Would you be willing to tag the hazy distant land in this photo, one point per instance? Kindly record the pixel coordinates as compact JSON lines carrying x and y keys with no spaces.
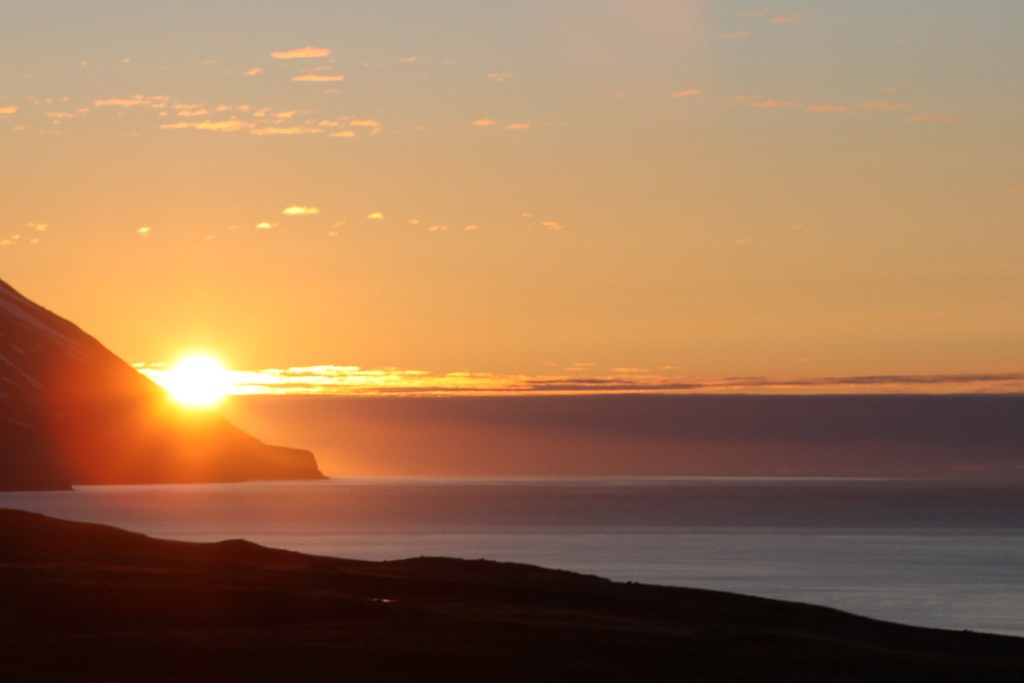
{"x":953,"y":436}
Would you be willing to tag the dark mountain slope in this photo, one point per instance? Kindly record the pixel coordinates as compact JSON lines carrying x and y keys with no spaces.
{"x":89,"y":603}
{"x":71,"y":412}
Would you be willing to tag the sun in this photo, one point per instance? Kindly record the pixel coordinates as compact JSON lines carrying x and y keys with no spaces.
{"x":197,"y":380}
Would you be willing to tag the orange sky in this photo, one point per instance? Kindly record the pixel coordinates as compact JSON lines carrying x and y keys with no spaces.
{"x":784,"y":196}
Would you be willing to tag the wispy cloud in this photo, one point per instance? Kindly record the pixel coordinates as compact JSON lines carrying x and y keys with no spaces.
{"x":284,"y":130}
{"x":267,"y":113}
{"x":755,"y":102}
{"x":144,"y":231}
{"x":119,"y":102}
{"x":152,"y":101}
{"x":788,"y":18}
{"x":409,"y":60}
{"x":318,"y":78}
{"x":692,"y":92}
{"x":374,"y":125}
{"x":774,"y":104}
{"x":231,"y":126}
{"x":301,"y":211}
{"x":934,"y":118}
{"x":827,"y":108}
{"x":519,"y":126}
{"x":552,"y":225}
{"x":884,"y":105}
{"x":257,"y":129}
{"x":256,"y":71}
{"x":353,"y":380}
{"x":483,"y":123}
{"x":376,"y":216}
{"x":308,"y":52}
{"x":499,"y":76}
{"x":735,"y":35}
{"x":9,"y":109}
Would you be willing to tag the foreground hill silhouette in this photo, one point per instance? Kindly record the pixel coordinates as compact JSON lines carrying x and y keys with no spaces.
{"x":71,"y":412}
{"x":84,"y":602}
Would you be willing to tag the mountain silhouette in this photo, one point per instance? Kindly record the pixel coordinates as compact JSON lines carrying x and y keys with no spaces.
{"x":84,"y":602}
{"x":72,"y":412}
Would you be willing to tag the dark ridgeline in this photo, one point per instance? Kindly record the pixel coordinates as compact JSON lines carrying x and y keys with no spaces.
{"x":71,"y":412}
{"x":84,"y":602}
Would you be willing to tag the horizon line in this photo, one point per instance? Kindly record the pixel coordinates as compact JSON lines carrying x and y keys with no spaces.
{"x":351,"y":380}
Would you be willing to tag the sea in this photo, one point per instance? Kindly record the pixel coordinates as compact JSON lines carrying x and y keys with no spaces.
{"x":937,"y":553}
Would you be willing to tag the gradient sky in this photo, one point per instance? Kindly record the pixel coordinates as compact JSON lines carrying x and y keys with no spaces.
{"x":667,"y":190}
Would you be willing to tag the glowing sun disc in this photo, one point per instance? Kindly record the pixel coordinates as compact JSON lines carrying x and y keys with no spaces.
{"x":197,"y":381}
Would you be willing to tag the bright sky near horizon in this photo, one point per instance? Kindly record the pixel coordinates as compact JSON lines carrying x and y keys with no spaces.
{"x":659,"y":192}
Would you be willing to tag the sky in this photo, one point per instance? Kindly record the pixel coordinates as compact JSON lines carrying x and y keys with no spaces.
{"x":531,"y":196}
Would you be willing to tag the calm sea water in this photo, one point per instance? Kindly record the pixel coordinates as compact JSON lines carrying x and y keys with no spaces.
{"x":928,"y":553}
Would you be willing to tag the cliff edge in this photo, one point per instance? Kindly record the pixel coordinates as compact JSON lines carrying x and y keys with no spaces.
{"x":72,"y":412}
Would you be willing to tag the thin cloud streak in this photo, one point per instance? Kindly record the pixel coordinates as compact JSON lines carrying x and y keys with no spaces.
{"x":289,"y":130}
{"x":884,"y":105}
{"x":934,"y":118}
{"x":756,"y":102}
{"x":153,"y":101}
{"x":374,"y":125}
{"x":301,"y":211}
{"x":788,"y":18}
{"x":827,"y":108}
{"x":308,"y":52}
{"x":344,"y":380}
{"x":214,"y":126}
{"x":318,"y":78}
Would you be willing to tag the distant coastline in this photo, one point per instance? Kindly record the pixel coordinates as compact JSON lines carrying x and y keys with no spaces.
{"x":976,"y":436}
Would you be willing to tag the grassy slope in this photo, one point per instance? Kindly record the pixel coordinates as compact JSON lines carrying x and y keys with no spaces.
{"x":84,"y":602}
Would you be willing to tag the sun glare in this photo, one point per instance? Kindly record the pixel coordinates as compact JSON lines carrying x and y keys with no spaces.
{"x":197,"y":381}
